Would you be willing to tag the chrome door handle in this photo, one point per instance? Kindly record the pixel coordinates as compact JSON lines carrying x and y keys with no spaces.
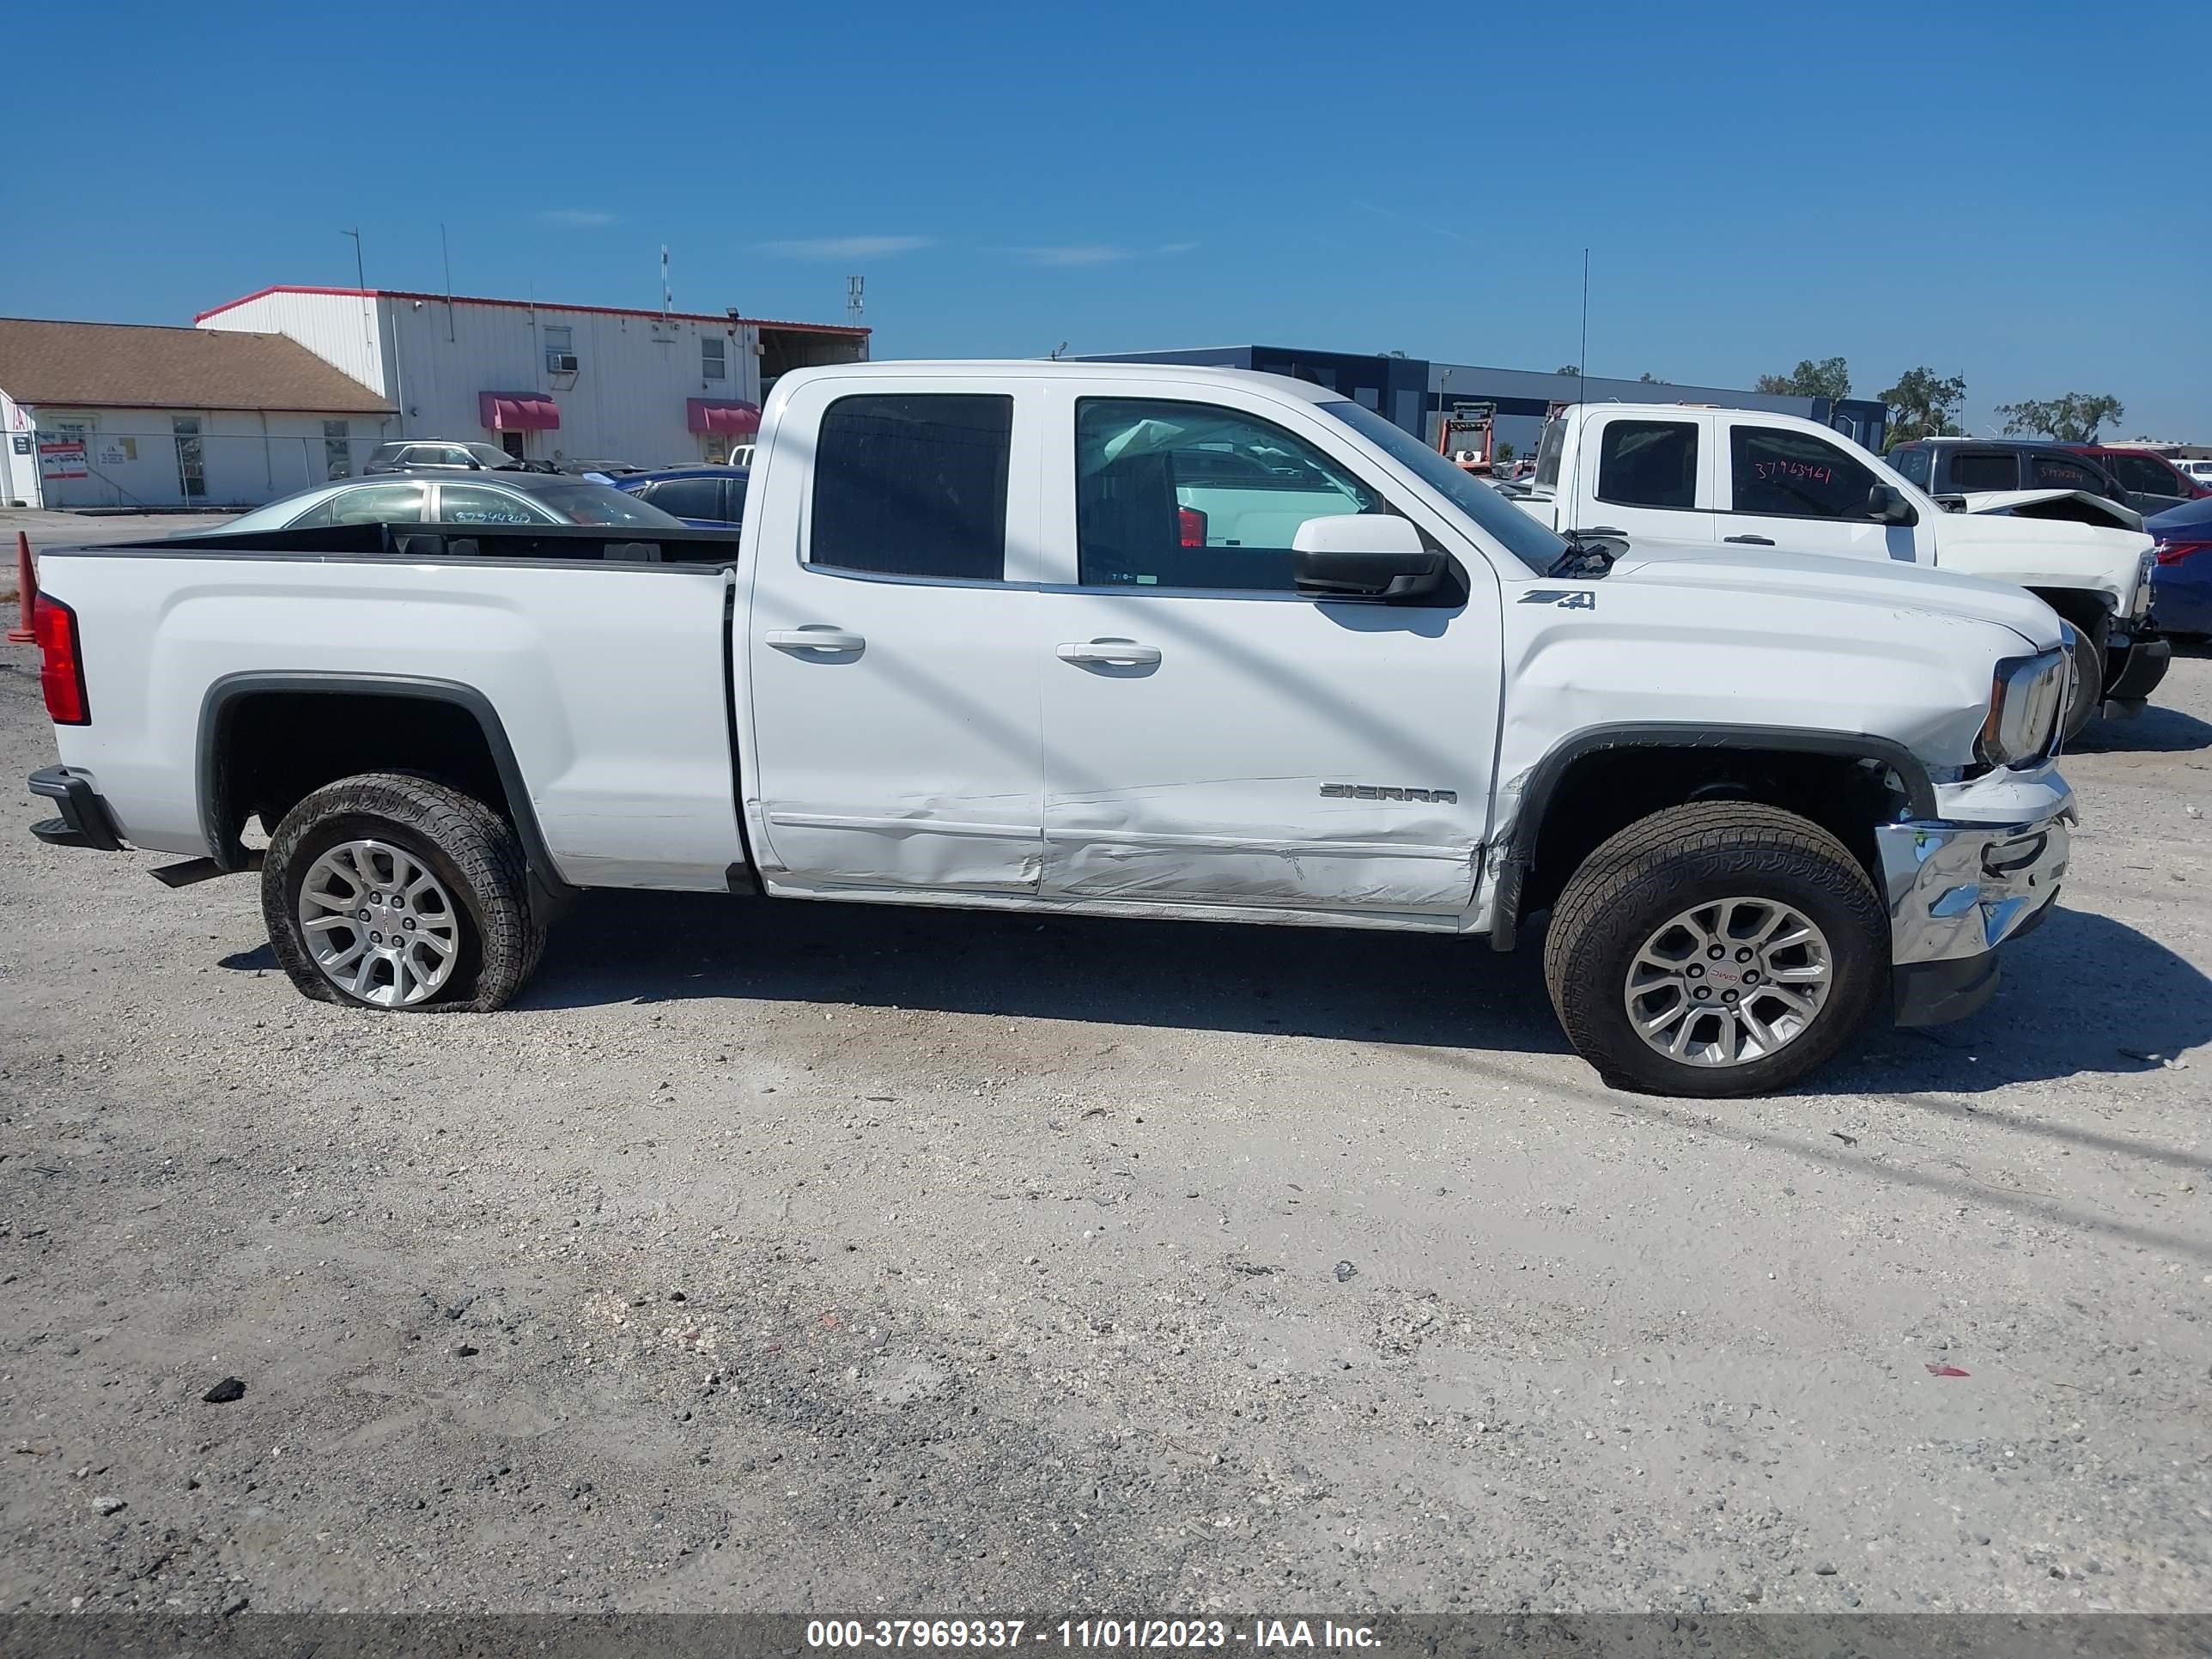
{"x":1121,"y":653}
{"x":1750,"y":541}
{"x":826,"y":641}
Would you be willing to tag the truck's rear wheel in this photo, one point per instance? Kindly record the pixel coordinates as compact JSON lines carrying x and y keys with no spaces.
{"x":1718,"y":949}
{"x":391,"y":892}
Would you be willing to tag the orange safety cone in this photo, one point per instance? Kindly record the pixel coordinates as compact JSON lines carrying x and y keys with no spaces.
{"x":26,"y":590}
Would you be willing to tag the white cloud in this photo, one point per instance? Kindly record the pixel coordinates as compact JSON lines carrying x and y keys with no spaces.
{"x":580,"y":218}
{"x":1175,"y":247}
{"x":848,"y":247}
{"x":1082,"y":253}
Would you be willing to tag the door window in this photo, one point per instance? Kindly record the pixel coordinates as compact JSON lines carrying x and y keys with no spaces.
{"x":1793,"y":475}
{"x":1648,"y":464}
{"x":391,"y":503}
{"x":2056,"y":472}
{"x":1984,"y":468}
{"x":688,"y":498}
{"x":2144,"y":474}
{"x":191,"y":456}
{"x":914,"y":485}
{"x":478,"y":504}
{"x":1194,"y":496}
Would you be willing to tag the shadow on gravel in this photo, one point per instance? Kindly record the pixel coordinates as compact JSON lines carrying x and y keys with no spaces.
{"x":2084,"y":996}
{"x":1431,"y":991}
{"x":2156,"y":730}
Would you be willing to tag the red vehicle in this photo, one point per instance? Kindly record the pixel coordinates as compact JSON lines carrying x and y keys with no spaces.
{"x":2153,"y":483}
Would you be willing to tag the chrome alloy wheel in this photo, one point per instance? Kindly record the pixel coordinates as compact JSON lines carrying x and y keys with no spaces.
{"x":1728,"y":983}
{"x":379,"y":924}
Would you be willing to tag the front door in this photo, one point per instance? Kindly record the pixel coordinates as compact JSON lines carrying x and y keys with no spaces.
{"x":1210,"y":736}
{"x":891,"y":645}
{"x":511,"y":443}
{"x":1803,"y":494}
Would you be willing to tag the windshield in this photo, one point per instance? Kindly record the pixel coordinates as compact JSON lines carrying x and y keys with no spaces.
{"x":491,"y":455}
{"x":1527,"y":540}
{"x":583,"y":502}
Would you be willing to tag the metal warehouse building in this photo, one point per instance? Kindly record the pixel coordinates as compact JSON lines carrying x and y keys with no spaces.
{"x":124,"y":415}
{"x":1413,"y":393}
{"x":550,"y":382}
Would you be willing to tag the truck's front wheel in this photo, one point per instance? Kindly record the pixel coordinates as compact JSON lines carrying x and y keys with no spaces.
{"x":395,"y":892}
{"x":1718,"y":949}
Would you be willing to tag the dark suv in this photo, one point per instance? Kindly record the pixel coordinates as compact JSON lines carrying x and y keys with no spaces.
{"x":1965,"y":466}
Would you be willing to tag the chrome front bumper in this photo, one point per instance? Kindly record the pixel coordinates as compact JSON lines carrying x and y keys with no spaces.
{"x":1957,"y":890}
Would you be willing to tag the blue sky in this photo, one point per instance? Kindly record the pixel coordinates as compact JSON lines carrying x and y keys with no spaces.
{"x":2017,"y":193}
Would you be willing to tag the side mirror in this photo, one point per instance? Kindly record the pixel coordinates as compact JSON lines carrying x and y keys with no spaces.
{"x":1364,"y":555}
{"x":1886,"y":504}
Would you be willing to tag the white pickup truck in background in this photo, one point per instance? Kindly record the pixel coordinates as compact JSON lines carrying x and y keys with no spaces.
{"x":974,"y":646}
{"x":1665,"y":473}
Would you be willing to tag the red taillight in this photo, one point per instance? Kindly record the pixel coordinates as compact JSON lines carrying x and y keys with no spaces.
{"x":61,"y":668}
{"x":2175,"y":552}
{"x":1190,"y":527}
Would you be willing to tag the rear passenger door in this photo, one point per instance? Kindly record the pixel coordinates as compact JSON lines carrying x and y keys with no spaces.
{"x":891,"y":644}
{"x":1654,"y":478}
{"x":1801,"y":492}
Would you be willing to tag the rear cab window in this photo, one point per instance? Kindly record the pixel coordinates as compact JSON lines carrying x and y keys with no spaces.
{"x":1648,"y":464}
{"x":1913,"y":465}
{"x":913,"y":485}
{"x":1984,"y":469}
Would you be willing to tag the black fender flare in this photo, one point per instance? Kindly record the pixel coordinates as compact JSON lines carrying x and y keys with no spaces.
{"x":1517,"y":851}
{"x":225,"y":692}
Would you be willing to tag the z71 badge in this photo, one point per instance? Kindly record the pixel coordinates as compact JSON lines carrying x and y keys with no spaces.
{"x":1567,"y":598}
{"x":1382,"y":791}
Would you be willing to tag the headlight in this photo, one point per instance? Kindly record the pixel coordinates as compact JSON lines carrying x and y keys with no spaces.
{"x":2027,"y":698}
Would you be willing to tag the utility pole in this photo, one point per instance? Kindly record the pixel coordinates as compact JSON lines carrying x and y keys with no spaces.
{"x":361,"y":282}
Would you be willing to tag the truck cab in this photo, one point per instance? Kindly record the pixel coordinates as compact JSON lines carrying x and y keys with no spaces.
{"x":1699,"y":476}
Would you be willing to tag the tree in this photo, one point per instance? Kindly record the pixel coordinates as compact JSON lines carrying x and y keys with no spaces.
{"x":1503,"y":452}
{"x":1922,"y":404}
{"x":1575,"y":369}
{"x":1648,"y":378}
{"x":1830,"y":378}
{"x":2072,"y":419}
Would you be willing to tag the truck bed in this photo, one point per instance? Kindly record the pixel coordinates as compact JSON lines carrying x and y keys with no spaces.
{"x":600,"y":658}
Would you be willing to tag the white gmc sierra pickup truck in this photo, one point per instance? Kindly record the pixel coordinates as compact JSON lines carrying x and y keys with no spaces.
{"x":1661,"y":474}
{"x":1126,"y":640}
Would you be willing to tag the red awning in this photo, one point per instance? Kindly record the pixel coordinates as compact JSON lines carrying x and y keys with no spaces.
{"x":723,"y":414}
{"x":518,"y":411}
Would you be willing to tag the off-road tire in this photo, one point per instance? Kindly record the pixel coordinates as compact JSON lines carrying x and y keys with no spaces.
{"x":1661,"y":866}
{"x":2089,"y":676}
{"x":472,"y":850}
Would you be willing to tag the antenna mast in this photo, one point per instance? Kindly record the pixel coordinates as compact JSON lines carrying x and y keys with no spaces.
{"x":1582,"y":398}
{"x":855,"y":290}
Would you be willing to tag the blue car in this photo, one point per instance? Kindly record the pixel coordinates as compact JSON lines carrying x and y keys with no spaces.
{"x":708,"y":497}
{"x":2181,"y":583}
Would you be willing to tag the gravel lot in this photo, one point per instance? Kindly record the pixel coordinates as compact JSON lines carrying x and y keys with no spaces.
{"x":826,"y":1258}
